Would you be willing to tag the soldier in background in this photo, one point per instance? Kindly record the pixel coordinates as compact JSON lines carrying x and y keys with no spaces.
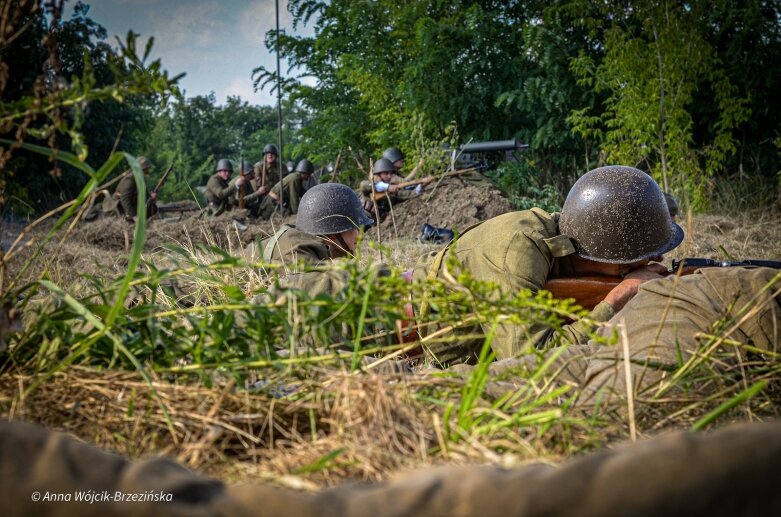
{"x":253,"y":195}
{"x":284,"y":197}
{"x":269,"y":171}
{"x":220,"y":195}
{"x":396,"y":157}
{"x":124,"y":201}
{"x":386,"y":182}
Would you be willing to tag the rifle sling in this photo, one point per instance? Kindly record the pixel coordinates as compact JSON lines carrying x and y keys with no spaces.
{"x":274,"y":241}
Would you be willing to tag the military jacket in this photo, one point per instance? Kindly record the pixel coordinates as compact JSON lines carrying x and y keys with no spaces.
{"x":274,"y":173}
{"x":289,"y":191}
{"x":517,"y":250}
{"x":219,"y":194}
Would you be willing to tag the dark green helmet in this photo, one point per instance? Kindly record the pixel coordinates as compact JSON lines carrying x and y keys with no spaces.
{"x":271,"y":148}
{"x":618,"y":215}
{"x":393,"y":154}
{"x":330,"y":208}
{"x":247,"y":168}
{"x":305,"y":167}
{"x":224,"y":165}
{"x":383,"y":165}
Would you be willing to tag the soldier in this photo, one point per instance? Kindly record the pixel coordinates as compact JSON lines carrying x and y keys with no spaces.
{"x":386,"y":183}
{"x":396,"y":157}
{"x":269,"y":171}
{"x":327,"y":227}
{"x":613,"y":223}
{"x":123,"y":202}
{"x":285,"y":195}
{"x":219,"y":193}
{"x":253,"y":195}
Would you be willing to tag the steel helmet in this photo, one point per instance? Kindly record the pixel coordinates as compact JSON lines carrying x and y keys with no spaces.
{"x":383,"y":165}
{"x":393,"y":154}
{"x":271,"y":148}
{"x":618,"y":215}
{"x":224,"y":165}
{"x":247,"y":168}
{"x":305,"y":167}
{"x":330,"y":208}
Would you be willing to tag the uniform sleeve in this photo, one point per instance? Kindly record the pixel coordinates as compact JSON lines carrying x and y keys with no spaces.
{"x":296,"y":190}
{"x":218,"y":192}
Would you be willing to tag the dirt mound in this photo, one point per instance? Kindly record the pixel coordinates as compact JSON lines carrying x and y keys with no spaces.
{"x":453,"y":204}
{"x":229,"y":231}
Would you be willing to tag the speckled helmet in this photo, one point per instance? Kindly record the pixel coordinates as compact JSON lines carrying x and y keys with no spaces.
{"x":330,"y":208}
{"x":383,"y":165}
{"x":224,"y":165}
{"x":271,"y":148}
{"x":305,"y":167}
{"x":393,"y":154}
{"x":618,"y":215}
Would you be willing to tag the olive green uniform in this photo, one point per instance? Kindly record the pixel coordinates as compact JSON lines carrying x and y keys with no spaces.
{"x":665,"y":317}
{"x":288,"y":246}
{"x":219,"y":195}
{"x":517,"y":250}
{"x":733,"y":471}
{"x":385,"y":204}
{"x":125,"y":199}
{"x":274,"y":173}
{"x":288,"y":192}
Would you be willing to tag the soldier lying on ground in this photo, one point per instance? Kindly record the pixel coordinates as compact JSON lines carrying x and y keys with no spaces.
{"x":614,"y":222}
{"x":124,"y":201}
{"x":327,"y":227}
{"x":219,"y":193}
{"x":386,"y":182}
{"x":731,"y":472}
{"x":396,"y":157}
{"x":284,"y":197}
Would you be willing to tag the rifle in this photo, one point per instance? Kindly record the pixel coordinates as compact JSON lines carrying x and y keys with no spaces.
{"x":160,"y":183}
{"x":241,"y":175}
{"x":588,"y":291}
{"x":376,"y":196}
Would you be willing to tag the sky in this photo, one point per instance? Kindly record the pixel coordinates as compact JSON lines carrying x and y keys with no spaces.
{"x":216,"y":42}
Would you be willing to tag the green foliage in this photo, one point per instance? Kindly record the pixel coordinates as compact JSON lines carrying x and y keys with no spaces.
{"x":656,"y":58}
{"x":522,"y":183}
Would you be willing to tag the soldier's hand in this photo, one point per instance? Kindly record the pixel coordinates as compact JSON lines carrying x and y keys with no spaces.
{"x":620,"y":295}
{"x":262,"y":190}
{"x":428,"y":179}
{"x":392,"y":188}
{"x":240,"y":181}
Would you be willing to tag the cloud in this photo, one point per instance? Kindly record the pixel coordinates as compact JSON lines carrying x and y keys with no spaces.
{"x":243,"y":88}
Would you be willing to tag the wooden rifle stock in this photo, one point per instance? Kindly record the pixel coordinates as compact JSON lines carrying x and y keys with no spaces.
{"x":336,"y":167}
{"x":376,"y":196}
{"x":588,"y":291}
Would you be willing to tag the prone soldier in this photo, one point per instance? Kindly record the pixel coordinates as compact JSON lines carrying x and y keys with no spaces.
{"x":387,"y":189}
{"x":614,"y":222}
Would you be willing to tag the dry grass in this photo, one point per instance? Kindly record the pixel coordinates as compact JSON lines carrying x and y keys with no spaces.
{"x":320,"y":426}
